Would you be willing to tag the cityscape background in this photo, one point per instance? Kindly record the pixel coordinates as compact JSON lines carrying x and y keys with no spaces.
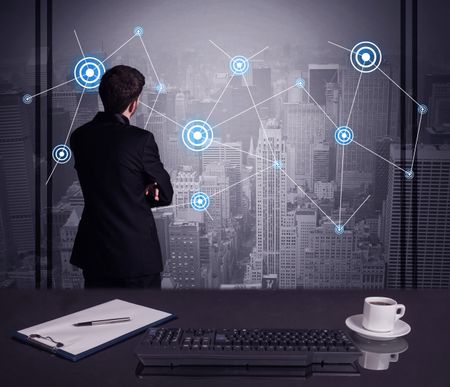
{"x":265,"y":227}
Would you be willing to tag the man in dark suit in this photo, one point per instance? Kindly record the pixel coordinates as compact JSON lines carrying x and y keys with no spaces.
{"x":122,"y":178}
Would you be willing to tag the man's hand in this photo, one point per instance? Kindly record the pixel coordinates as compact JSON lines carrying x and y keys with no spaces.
{"x":152,"y":190}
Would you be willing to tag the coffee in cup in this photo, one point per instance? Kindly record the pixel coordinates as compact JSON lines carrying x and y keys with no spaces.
{"x":381,"y":313}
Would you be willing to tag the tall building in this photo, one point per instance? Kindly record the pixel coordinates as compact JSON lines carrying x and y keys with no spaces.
{"x":183,"y":264}
{"x":271,"y":194}
{"x":305,"y":126}
{"x":230,"y":156}
{"x":370,"y":120}
{"x":306,"y":222}
{"x":429,"y":210}
{"x":319,"y":76}
{"x":321,"y":163}
{"x":17,"y":172}
{"x":288,"y":252}
{"x":262,"y":81}
{"x":330,"y":260}
{"x":185,"y":183}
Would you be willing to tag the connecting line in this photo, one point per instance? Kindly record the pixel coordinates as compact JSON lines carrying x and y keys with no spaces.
{"x":354,"y":98}
{"x":162,"y":115}
{"x":309,"y":197}
{"x":387,"y":76}
{"x":259,"y":52}
{"x":254,"y":106}
{"x":338,"y":45}
{"x":342,"y":182}
{"x":259,"y":117}
{"x":239,"y":182}
{"x":396,"y":84}
{"x":221,"y":49}
{"x":240,"y":150}
{"x":348,"y":220}
{"x":218,"y":99}
{"x":151,"y":111}
{"x":417,"y":141}
{"x":320,"y":107}
{"x":79,"y":45}
{"x":210,"y":217}
{"x":381,"y":157}
{"x":54,"y":87}
{"x":110,"y":55}
{"x":150,"y":60}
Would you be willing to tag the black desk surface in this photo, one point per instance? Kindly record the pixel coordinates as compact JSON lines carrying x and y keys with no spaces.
{"x":426,"y":363}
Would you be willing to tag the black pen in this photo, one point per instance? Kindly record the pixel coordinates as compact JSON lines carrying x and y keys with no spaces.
{"x":100,"y":322}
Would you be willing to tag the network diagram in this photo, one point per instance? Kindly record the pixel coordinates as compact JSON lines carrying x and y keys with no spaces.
{"x":198,"y":135}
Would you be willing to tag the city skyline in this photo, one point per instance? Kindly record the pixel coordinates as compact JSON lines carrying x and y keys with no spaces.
{"x":285,"y":201}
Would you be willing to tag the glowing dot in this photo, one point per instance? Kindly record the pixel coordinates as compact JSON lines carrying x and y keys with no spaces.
{"x":197,"y":135}
{"x":366,"y":57}
{"x":89,"y":72}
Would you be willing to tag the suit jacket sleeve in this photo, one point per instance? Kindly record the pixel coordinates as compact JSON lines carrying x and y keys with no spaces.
{"x":155,"y":172}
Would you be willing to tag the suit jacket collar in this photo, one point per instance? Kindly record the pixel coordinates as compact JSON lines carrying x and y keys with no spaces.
{"x":112,"y":117}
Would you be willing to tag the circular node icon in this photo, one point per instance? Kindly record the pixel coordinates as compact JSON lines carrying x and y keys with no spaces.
{"x":197,"y":135}
{"x":365,"y":57}
{"x":300,"y":83}
{"x":160,"y":88}
{"x":339,"y":229}
{"x":277,"y":164}
{"x":343,"y":135}
{"x":138,"y":30}
{"x":27,"y":99}
{"x":88,"y":72}
{"x":200,"y":201}
{"x":409,"y":174}
{"x":61,"y":154}
{"x":239,"y":65}
{"x":422,"y":109}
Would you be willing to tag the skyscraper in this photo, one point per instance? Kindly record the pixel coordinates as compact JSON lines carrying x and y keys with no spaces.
{"x":425,"y":255}
{"x":17,"y":165}
{"x":270,"y":196}
{"x":319,"y":76}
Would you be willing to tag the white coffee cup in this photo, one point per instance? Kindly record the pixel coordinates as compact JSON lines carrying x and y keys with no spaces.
{"x":377,"y":361}
{"x":381,"y":313}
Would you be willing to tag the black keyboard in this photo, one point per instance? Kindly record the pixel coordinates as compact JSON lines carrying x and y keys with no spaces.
{"x":172,"y":347}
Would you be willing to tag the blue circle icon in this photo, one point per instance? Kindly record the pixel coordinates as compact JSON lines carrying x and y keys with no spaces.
{"x":61,"y":154}
{"x":338,"y":229}
{"x":88,"y":72}
{"x":277,"y":164}
{"x":138,"y":30}
{"x":300,"y":83}
{"x":343,"y":135}
{"x":160,"y":88}
{"x":200,"y":201}
{"x":365,"y":57}
{"x":27,"y":99}
{"x":197,"y":135}
{"x":239,"y":65}
{"x":422,"y":109}
{"x":409,"y":174}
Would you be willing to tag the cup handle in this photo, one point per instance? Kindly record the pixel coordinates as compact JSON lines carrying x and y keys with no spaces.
{"x":401,"y":309}
{"x":394,"y":358}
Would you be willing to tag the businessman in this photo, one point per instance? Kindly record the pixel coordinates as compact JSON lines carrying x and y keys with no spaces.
{"x":122,"y":178}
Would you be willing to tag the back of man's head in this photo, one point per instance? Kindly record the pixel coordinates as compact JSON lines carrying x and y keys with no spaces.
{"x":120,"y":86}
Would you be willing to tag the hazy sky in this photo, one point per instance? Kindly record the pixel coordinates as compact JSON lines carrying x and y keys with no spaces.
{"x":238,"y":25}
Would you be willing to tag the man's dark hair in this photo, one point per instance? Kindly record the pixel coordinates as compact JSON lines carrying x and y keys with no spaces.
{"x":120,"y":86}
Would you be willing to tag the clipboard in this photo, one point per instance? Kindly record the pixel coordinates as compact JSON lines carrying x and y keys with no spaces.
{"x":62,"y":338}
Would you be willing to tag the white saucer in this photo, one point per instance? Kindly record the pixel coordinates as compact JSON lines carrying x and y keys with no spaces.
{"x":354,"y":322}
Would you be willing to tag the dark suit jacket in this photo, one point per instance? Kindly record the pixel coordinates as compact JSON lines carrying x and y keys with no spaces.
{"x":115,"y":161}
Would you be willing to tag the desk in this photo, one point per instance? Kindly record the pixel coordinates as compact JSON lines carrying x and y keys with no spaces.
{"x":424,"y":364}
